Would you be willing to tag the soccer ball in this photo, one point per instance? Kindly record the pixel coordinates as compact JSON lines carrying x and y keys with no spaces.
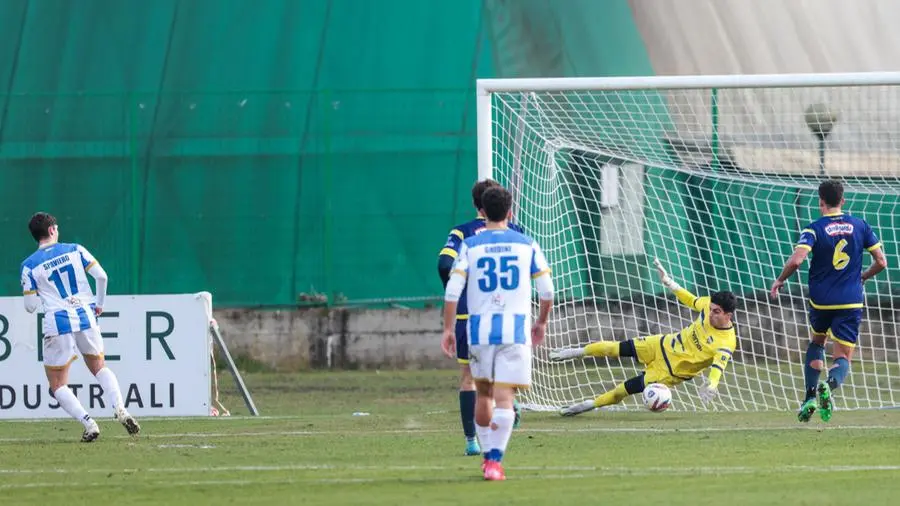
{"x":657,"y":397}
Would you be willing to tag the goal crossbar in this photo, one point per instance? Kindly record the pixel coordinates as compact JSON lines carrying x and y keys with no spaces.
{"x":524,"y":84}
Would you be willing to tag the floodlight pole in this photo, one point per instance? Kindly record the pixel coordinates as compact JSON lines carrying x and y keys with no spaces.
{"x":822,"y":155}
{"x":820,"y":122}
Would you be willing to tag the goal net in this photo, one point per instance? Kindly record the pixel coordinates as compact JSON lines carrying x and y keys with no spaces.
{"x":715,"y":176}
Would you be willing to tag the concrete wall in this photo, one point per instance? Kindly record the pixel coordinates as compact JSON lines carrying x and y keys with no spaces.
{"x":366,"y":338}
{"x":319,"y":338}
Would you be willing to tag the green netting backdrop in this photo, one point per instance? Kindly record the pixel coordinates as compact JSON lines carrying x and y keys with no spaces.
{"x":264,"y":149}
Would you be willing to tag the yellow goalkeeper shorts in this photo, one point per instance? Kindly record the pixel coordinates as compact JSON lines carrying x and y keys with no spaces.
{"x":650,"y":352}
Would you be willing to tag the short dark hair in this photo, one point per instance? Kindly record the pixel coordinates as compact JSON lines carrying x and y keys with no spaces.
{"x":40,"y":224}
{"x":831,"y":192}
{"x":725,"y":300}
{"x":478,"y":190}
{"x":497,"y":202}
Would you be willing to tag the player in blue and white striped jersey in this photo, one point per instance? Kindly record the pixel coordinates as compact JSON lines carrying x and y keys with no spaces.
{"x":446,"y":258}
{"x":54,"y":279}
{"x":494,"y":268}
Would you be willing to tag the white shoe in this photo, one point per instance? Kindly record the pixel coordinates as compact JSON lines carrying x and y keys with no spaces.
{"x":127,"y":421}
{"x":562,"y":354}
{"x":91,"y":433}
{"x":577,"y":409}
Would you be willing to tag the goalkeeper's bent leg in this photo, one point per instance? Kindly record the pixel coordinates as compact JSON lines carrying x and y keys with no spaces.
{"x":632,"y":386}
{"x":615,"y":396}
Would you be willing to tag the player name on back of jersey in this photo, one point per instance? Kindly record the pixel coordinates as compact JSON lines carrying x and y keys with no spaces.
{"x":503,"y":248}
{"x":56,"y":262}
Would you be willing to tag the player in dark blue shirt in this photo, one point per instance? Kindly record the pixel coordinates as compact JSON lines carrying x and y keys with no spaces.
{"x":445,"y":264}
{"x":837,"y":242}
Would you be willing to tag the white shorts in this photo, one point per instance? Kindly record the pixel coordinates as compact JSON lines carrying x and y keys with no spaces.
{"x":62,"y":350}
{"x":506,"y":364}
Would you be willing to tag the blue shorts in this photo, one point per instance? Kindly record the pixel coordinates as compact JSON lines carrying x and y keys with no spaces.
{"x":462,"y":341}
{"x":842,"y":324}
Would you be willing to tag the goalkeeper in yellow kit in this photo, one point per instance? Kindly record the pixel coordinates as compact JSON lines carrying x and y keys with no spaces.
{"x":669,"y":359}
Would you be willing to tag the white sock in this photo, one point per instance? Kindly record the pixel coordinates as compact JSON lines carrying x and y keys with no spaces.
{"x":70,"y":405}
{"x":484,"y":437}
{"x":110,"y":385}
{"x":502,"y":423}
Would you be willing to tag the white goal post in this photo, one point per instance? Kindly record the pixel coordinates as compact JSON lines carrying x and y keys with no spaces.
{"x":715,"y":176}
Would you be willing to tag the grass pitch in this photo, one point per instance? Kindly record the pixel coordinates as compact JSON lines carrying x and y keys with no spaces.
{"x":309,"y":448}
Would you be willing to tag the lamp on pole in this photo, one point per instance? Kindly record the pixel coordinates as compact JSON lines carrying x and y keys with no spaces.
{"x":820,"y":121}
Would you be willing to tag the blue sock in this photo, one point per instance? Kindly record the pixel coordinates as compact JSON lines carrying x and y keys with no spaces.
{"x":496,"y":455}
{"x":467,"y":412}
{"x":838,"y":373}
{"x":811,"y":376}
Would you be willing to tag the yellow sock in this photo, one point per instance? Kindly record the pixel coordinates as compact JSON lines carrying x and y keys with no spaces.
{"x":614,"y":396}
{"x":602,"y":349}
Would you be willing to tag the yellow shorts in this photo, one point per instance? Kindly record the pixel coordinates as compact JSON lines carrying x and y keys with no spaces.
{"x":650,"y":352}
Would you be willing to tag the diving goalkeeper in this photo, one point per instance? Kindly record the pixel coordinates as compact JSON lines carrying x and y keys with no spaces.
{"x":671,"y":358}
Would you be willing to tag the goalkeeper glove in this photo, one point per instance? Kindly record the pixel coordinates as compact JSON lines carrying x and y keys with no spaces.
{"x":667,"y":281}
{"x":707,"y":393}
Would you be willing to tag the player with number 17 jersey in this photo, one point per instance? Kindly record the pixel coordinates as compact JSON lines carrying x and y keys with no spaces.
{"x":58,"y":275}
{"x":54,"y":280}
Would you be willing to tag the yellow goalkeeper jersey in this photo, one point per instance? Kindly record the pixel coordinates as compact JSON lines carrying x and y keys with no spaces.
{"x":699,"y":345}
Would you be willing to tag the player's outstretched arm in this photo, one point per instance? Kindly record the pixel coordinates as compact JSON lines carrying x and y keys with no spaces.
{"x":544,"y":284}
{"x":716,"y":370}
{"x":101,"y":280}
{"x":684,"y":296}
{"x":801,"y":251}
{"x":879,"y":262}
{"x":790,"y":267}
{"x":29,"y":291}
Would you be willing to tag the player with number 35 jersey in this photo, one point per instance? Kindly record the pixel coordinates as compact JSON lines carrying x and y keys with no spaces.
{"x":496,"y":269}
{"x":446,"y":258}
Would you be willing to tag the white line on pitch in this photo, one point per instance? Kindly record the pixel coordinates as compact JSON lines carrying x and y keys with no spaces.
{"x":428,"y":413}
{"x":549,"y":430}
{"x":520,"y":473}
{"x":213,"y":419}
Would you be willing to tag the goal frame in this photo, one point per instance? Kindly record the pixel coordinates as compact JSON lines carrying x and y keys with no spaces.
{"x":489,"y":109}
{"x":485,"y":88}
